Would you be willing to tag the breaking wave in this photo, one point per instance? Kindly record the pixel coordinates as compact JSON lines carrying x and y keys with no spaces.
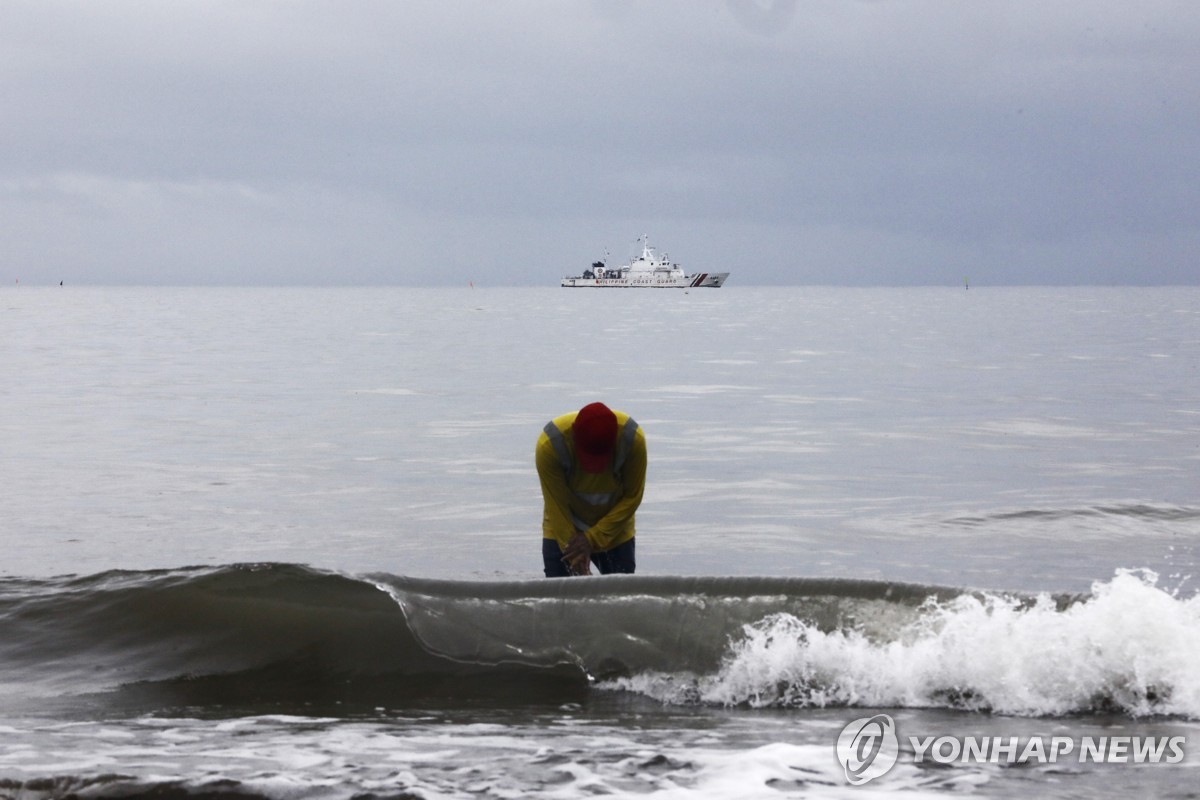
{"x":275,"y":635}
{"x":1128,"y":647}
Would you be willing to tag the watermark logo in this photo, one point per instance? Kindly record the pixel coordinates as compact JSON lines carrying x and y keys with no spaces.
{"x":868,"y":748}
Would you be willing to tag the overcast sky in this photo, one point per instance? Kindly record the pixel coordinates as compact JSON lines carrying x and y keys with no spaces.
{"x":851,"y":142}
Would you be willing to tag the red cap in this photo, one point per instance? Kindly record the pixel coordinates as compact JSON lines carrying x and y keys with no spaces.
{"x":595,"y":436}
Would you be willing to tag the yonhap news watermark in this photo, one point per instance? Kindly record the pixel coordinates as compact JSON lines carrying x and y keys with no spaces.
{"x":868,"y":748}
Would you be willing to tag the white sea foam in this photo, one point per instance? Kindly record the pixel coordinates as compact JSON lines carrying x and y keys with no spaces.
{"x":789,"y":770}
{"x":294,"y":757}
{"x":1130,"y":646}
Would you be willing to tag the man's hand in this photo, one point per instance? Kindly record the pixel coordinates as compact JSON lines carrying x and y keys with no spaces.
{"x":577,"y":555}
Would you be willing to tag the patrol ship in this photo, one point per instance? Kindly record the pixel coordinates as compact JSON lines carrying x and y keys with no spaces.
{"x":648,"y":271}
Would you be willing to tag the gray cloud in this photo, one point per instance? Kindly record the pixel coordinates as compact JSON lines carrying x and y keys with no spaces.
{"x":838,"y":142}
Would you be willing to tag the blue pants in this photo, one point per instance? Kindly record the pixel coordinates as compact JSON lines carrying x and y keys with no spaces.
{"x":617,"y":560}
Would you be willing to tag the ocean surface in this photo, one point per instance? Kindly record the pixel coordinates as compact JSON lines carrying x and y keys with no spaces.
{"x":285,"y":543}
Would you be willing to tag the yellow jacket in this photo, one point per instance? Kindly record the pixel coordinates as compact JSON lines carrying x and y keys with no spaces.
{"x":602,"y":505}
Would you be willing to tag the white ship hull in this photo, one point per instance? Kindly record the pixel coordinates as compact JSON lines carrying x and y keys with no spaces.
{"x":648,"y":271}
{"x":713,"y":279}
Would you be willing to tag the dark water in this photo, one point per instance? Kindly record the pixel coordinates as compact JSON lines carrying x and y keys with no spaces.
{"x":277,"y":637}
